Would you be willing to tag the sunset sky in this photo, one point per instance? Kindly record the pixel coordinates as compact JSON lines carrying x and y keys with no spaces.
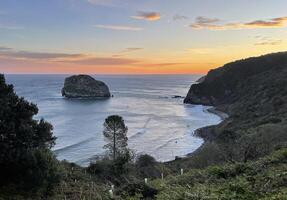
{"x":136,"y":36}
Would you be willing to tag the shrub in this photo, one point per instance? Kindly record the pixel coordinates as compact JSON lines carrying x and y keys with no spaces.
{"x":138,"y":189}
{"x":145,"y":161}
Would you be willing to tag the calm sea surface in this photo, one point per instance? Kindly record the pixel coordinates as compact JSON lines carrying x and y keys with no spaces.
{"x":159,"y":124}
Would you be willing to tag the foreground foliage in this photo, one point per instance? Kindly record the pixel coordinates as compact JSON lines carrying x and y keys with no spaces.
{"x":262,"y":179}
{"x":26,"y":163}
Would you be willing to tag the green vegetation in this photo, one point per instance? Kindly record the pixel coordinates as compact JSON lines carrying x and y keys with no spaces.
{"x":262,"y":179}
{"x":26,"y":163}
{"x":244,"y":157}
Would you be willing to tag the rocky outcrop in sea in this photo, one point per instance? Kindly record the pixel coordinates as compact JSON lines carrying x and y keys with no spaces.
{"x":84,"y":86}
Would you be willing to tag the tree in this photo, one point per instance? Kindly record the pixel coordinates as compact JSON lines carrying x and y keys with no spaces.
{"x":115,"y":131}
{"x":25,"y":156}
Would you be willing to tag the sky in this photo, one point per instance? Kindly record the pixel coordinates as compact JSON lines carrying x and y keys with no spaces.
{"x":136,"y":36}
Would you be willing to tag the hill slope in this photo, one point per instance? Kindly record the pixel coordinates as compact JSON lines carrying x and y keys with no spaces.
{"x":254,"y":93}
{"x":227,"y":84}
{"x":263,"y":179}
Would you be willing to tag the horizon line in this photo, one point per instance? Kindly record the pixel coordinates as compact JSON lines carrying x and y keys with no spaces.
{"x":112,"y":74}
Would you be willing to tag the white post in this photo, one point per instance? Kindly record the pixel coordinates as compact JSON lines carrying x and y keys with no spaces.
{"x":145,"y":180}
{"x":113,"y":187}
{"x":111,"y":193}
{"x":161,"y":176}
{"x":181,"y":171}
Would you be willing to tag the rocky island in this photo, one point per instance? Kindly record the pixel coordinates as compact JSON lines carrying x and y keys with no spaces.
{"x":84,"y":86}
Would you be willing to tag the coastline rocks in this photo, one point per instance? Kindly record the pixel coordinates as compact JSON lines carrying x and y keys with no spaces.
{"x":84,"y":86}
{"x":194,"y":98}
{"x":177,"y":97}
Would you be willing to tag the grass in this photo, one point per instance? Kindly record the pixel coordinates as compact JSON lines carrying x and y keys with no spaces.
{"x":262,"y":179}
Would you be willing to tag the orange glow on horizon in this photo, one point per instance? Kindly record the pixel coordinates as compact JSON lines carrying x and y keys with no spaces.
{"x":197,"y":61}
{"x":113,"y":70}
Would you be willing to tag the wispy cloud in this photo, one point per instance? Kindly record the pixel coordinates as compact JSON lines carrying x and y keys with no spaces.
{"x":118,"y":27}
{"x":150,"y":16}
{"x":18,"y":61}
{"x":102,"y":61}
{"x":267,"y":41}
{"x":133,"y":49}
{"x":206,"y":20}
{"x":126,"y":51}
{"x":214,"y":24}
{"x":4,"y":48}
{"x":82,"y":59}
{"x":179,"y":17}
{"x":11,"y":53}
{"x":275,"y":22}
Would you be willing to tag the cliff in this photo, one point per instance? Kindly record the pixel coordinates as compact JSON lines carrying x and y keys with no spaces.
{"x":240,"y":80}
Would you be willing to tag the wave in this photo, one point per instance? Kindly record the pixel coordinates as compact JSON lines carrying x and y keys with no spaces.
{"x":69,"y":147}
{"x":142,"y":130}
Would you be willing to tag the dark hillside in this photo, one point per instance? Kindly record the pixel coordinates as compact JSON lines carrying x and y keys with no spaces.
{"x":223,"y":85}
{"x":254,"y":93}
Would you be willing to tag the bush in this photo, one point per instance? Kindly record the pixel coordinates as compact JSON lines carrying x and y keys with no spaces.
{"x":145,"y":161}
{"x":138,"y":189}
{"x":146,"y":166}
{"x":112,"y":170}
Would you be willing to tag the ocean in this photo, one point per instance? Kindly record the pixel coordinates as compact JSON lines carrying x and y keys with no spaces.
{"x":159,"y":124}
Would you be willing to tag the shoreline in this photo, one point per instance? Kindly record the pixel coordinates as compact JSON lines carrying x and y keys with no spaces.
{"x":219,"y":113}
{"x":206,"y":132}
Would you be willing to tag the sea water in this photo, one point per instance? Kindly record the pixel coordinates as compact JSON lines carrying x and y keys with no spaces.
{"x":158,"y":124}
